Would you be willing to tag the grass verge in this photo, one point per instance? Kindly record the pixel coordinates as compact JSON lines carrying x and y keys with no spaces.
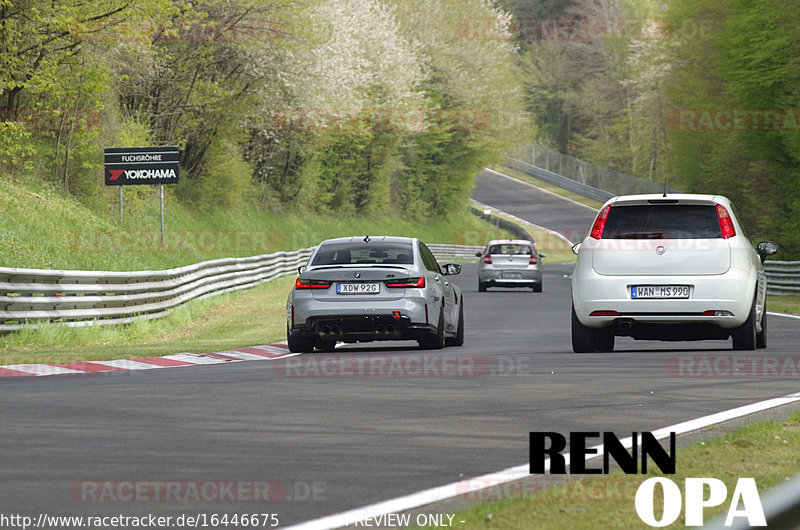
{"x":40,"y":227}
{"x":234,"y":320}
{"x":785,"y":304}
{"x":608,"y":501}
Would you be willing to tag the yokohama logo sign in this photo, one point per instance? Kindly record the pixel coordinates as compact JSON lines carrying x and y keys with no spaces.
{"x":141,"y":165}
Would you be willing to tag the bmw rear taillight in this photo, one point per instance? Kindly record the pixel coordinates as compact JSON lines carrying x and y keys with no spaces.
{"x":311,"y":284}
{"x":725,"y":222}
{"x":407,"y":282}
{"x":534,"y":260}
{"x":600,"y":223}
{"x":488,"y":259}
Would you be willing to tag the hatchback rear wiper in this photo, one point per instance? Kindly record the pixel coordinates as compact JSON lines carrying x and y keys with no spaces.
{"x":642,"y":235}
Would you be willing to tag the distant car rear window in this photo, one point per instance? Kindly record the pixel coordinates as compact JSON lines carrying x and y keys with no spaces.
{"x":664,"y":221}
{"x":510,"y":249}
{"x":364,"y":253}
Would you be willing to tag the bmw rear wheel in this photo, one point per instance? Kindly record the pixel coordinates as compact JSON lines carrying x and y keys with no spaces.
{"x":435,"y":341}
{"x":458,"y":340}
{"x":299,"y":343}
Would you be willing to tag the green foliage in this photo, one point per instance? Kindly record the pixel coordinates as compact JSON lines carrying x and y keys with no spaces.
{"x":745,"y":60}
{"x":16,"y":150}
{"x":617,"y":102}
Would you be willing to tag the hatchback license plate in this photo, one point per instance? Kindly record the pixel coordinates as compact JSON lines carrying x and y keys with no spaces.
{"x":660,"y":291}
{"x":358,"y":288}
{"x":511,"y":275}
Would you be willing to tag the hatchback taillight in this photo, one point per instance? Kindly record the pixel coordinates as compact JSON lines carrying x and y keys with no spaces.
{"x":488,"y":259}
{"x":534,"y":260}
{"x":311,"y":284}
{"x":600,"y":223}
{"x":725,"y":222}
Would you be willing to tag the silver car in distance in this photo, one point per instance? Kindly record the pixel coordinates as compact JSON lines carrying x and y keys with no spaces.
{"x":362,"y":289}
{"x":510,"y":263}
{"x":669,"y":267}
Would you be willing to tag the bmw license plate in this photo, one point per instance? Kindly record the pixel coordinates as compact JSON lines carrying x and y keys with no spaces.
{"x":511,"y":275}
{"x":660,"y":291}
{"x":358,"y":288}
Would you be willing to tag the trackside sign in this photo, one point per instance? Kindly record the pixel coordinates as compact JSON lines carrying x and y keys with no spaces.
{"x":141,"y":165}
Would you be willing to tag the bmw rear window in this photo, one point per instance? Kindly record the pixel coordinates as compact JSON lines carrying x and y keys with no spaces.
{"x":510,"y":248}
{"x":664,"y":221}
{"x":378,"y":253}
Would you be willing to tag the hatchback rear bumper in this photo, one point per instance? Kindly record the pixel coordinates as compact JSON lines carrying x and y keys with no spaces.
{"x":729,"y":295}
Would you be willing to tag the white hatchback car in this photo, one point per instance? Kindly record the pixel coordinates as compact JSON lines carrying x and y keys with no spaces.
{"x":676,"y":267}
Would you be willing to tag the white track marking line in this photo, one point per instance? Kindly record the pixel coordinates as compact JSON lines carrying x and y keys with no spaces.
{"x":520,"y":220}
{"x":540,"y":189}
{"x":440,"y":493}
{"x":787,"y":315}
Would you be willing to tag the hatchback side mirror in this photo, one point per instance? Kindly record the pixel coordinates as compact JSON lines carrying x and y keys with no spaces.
{"x":542,"y":255}
{"x":575,"y":248}
{"x":766,"y":248}
{"x":478,"y":254}
{"x":301,"y":269}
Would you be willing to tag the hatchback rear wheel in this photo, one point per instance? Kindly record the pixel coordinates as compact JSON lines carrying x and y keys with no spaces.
{"x":744,"y":337}
{"x":761,"y":338}
{"x":589,"y":340}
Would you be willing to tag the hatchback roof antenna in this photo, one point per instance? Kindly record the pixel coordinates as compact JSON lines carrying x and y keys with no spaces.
{"x":665,"y":185}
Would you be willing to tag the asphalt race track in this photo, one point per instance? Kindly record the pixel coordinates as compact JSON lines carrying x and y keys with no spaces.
{"x":328,"y":434}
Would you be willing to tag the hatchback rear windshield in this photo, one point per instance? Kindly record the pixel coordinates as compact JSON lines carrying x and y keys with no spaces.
{"x":663,"y":221}
{"x":510,"y":249}
{"x":364,"y":253}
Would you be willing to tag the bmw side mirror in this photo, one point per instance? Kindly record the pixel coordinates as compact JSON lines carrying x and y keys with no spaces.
{"x":766,"y":248}
{"x":542,"y":255}
{"x":451,"y":269}
{"x":575,"y":248}
{"x":478,"y":254}
{"x":301,"y":269}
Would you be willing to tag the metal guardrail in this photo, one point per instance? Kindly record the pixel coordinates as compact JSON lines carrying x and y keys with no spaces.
{"x":583,"y":172}
{"x":500,"y":222}
{"x":31,"y":297}
{"x":559,"y":180}
{"x":783,"y":277}
{"x":454,"y":252}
